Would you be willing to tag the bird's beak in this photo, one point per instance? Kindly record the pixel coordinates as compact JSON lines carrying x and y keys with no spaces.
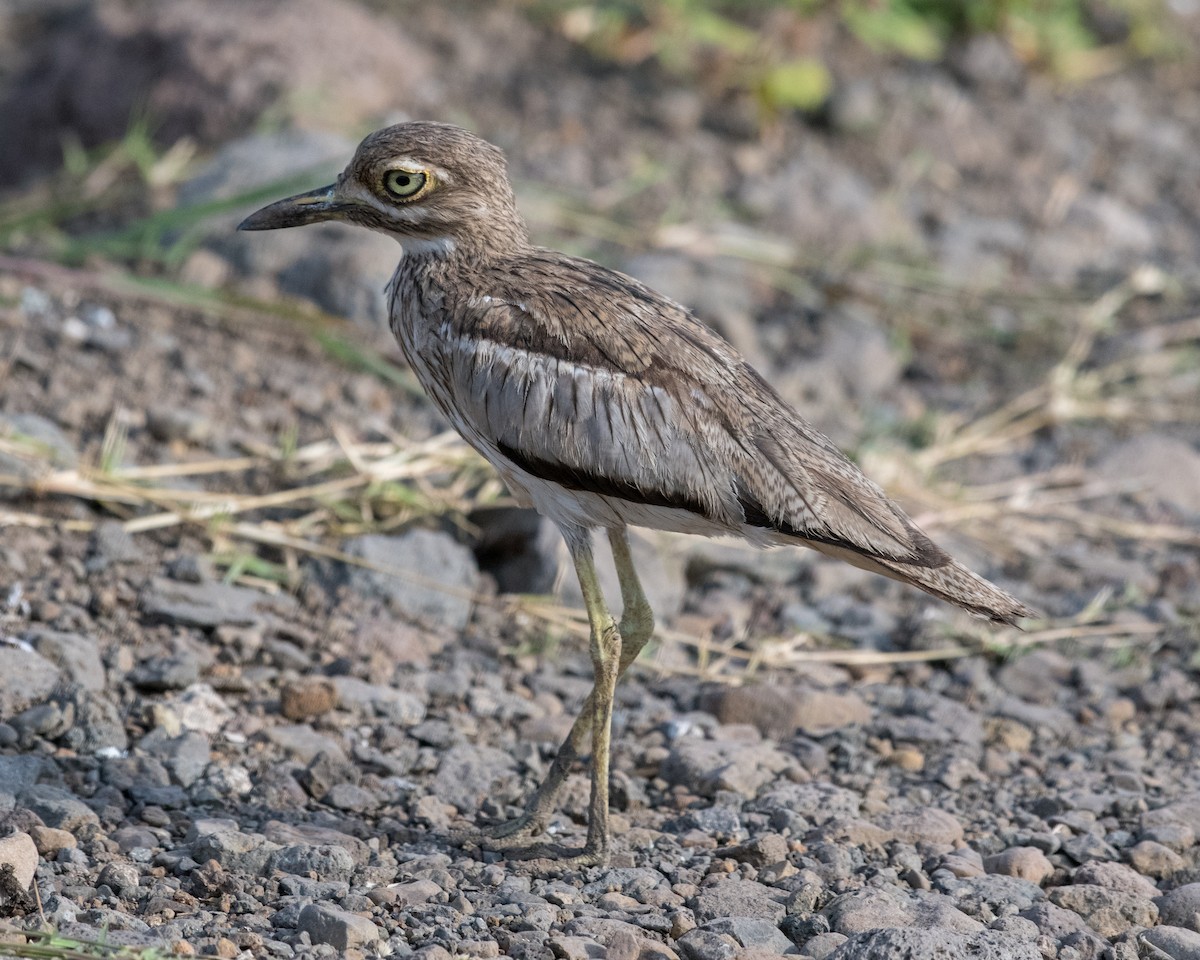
{"x":312,"y":207}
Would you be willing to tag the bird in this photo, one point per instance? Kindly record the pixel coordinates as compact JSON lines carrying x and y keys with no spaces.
{"x":604,"y":405}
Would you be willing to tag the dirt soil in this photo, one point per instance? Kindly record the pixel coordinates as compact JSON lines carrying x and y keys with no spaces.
{"x":261,"y":729}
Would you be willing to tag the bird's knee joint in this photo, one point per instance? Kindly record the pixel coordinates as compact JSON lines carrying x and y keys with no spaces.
{"x":637,"y":624}
{"x":606,"y":647}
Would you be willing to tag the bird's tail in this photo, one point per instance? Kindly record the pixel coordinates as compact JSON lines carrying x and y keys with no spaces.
{"x":950,"y":581}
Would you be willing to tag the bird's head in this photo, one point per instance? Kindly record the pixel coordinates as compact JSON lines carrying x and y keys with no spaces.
{"x":433,"y":186}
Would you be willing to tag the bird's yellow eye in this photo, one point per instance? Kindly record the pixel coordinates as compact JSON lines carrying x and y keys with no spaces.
{"x":405,"y":184}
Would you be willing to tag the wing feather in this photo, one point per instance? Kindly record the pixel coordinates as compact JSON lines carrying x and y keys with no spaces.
{"x":637,"y":400}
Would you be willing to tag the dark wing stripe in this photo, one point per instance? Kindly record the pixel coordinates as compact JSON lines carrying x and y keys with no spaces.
{"x":756,"y":516}
{"x":575,"y":478}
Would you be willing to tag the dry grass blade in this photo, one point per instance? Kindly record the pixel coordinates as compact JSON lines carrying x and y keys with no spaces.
{"x":50,"y":945}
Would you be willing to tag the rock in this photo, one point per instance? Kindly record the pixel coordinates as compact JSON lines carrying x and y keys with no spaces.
{"x":111,"y":543}
{"x":26,"y":678}
{"x":415,"y":892}
{"x":207,"y":76}
{"x":339,"y":928}
{"x":823,"y":945}
{"x":99,"y":723}
{"x":1154,"y":860}
{"x":1181,"y":907}
{"x":985,"y":896}
{"x":1028,"y":863}
{"x":720,"y":823}
{"x":1015,"y":926}
{"x":468,"y":773}
{"x":120,"y":876}
{"x":306,"y":744}
{"x":1109,"y":912}
{"x":35,"y":445}
{"x":1055,"y":922}
{"x":760,"y":852}
{"x":182,"y":424}
{"x":327,"y":861}
{"x":1177,"y":943}
{"x":874,"y":908}
{"x":917,"y":944}
{"x":221,"y":840}
{"x":209,"y":605}
{"x":1177,"y":836}
{"x":58,"y":807}
{"x":923,"y":826}
{"x":159,"y":674}
{"x":814,"y":801}
{"x":778,"y":713}
{"x":1036,"y":677}
{"x":1164,"y":468}
{"x":1115,"y":876}
{"x":859,"y":350}
{"x":77,"y":656}
{"x":185,"y":756}
{"x":701,"y":944}
{"x":19,"y":854}
{"x":312,"y":835}
{"x":752,"y":932}
{"x":987,"y":60}
{"x":307,"y":697}
{"x":707,"y":766}
{"x":1184,"y":812}
{"x":737,"y":898}
{"x":855,"y":831}
{"x":49,"y":840}
{"x":424,"y":575}
{"x":20,"y":772}
{"x":397,"y":706}
{"x":199,"y":708}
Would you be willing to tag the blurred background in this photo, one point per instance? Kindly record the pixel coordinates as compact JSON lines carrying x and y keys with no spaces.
{"x":961,"y":237}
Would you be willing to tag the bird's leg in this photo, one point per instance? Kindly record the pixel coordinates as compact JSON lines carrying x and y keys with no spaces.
{"x":637,"y":619}
{"x":635,"y":629}
{"x":606,"y":659}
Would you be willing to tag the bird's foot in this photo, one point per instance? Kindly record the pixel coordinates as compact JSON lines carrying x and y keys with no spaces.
{"x":522,"y":831}
{"x":559,"y":862}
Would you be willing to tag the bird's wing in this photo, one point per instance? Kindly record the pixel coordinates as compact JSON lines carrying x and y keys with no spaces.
{"x":587,"y":378}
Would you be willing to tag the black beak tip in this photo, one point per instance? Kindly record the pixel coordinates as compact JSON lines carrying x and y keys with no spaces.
{"x":252,"y":222}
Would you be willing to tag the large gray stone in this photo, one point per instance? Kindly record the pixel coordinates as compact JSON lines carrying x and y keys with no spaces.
{"x":19,"y":853}
{"x":1181,"y":907}
{"x":221,"y":840}
{"x":338,"y":928}
{"x":917,"y":944}
{"x":876,"y":908}
{"x":57,"y":807}
{"x":1177,"y":943}
{"x":707,"y":766}
{"x":26,"y":678}
{"x":33,"y":445}
{"x":468,"y":773}
{"x":423,"y":574}
{"x":1164,"y":468}
{"x":757,"y":933}
{"x":209,"y":605}
{"x":77,"y":656}
{"x":1109,"y":912}
{"x":738,"y":898}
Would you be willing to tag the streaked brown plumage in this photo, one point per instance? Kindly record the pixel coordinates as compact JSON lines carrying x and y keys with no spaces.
{"x":603,"y":404}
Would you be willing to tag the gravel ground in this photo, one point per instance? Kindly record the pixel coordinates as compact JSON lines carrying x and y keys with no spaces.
{"x":234,"y":770}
